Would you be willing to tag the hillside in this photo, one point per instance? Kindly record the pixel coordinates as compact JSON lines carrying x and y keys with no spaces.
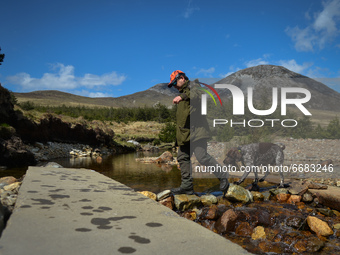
{"x":158,"y":93}
{"x":262,"y":78}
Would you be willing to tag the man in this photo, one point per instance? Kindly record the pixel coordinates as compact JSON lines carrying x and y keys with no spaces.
{"x":192,"y":133}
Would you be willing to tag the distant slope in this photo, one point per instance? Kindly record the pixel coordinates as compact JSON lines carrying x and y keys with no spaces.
{"x":159,"y":93}
{"x":262,"y":78}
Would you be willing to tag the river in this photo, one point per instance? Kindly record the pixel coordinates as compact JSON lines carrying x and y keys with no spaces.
{"x":125,"y":169}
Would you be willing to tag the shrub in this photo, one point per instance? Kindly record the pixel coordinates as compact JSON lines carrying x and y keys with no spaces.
{"x":168,"y":133}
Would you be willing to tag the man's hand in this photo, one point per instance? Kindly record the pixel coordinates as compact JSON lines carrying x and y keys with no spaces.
{"x":177,"y":100}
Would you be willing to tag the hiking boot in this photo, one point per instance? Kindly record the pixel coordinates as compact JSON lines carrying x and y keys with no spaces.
{"x":179,"y":190}
{"x":224,"y":185}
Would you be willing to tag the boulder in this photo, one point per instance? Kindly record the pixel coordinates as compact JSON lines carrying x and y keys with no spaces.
{"x":210,"y":213}
{"x":7,"y":180}
{"x":164,"y":194}
{"x":307,"y":197}
{"x":294,"y":199}
{"x":244,"y":229}
{"x":168,"y":202}
{"x":329,"y":197}
{"x":258,"y":233}
{"x":320,"y":227}
{"x":278,"y":191}
{"x":165,"y":157}
{"x":298,"y":188}
{"x":148,"y":194}
{"x":184,"y":202}
{"x":237,"y":193}
{"x":14,"y":187}
{"x":226,"y":222}
{"x":53,"y":164}
{"x":208,"y":199}
{"x":282,"y":197}
{"x":257,"y":196}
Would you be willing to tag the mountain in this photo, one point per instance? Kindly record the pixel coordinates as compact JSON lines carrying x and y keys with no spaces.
{"x":159,"y":93}
{"x":262,"y":78}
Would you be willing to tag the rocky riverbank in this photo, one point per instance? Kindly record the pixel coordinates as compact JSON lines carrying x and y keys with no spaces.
{"x":273,"y":221}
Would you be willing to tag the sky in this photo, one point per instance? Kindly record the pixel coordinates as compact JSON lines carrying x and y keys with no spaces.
{"x":110,"y":48}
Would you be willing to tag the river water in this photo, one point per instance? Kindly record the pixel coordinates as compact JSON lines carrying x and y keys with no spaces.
{"x":125,"y":169}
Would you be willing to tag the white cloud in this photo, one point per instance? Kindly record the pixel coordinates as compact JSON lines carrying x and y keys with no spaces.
{"x":190,"y":10}
{"x":206,"y":72}
{"x":64,"y":79}
{"x":256,"y":62}
{"x":321,"y":31}
{"x":293,"y":66}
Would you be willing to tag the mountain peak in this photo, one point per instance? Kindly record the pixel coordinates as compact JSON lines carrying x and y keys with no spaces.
{"x":264,"y":71}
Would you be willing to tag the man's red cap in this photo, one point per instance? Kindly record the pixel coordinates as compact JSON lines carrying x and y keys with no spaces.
{"x":174,"y":76}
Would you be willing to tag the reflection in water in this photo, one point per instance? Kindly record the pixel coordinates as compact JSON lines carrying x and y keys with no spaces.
{"x":139,"y":176}
{"x":125,"y":169}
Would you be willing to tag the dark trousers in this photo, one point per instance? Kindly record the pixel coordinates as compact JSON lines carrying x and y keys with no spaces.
{"x":199,"y":148}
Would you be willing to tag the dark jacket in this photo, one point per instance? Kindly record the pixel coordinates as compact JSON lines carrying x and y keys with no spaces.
{"x":191,"y":125}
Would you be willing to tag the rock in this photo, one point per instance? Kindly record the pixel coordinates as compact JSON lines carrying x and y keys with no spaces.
{"x":237,"y":193}
{"x":314,"y":244}
{"x":223,"y":201}
{"x":149,"y":147}
{"x":165,"y":157}
{"x":261,"y":217}
{"x":244,"y":229}
{"x":328,"y":197}
{"x":257,"y":196}
{"x":307,"y":197}
{"x":282,"y":197}
{"x":325,"y":212}
{"x":278,"y":191}
{"x":295,"y":222}
{"x":266,"y":195}
{"x":53,"y":164}
{"x":258,"y":233}
{"x":294,"y":199}
{"x":148,"y":194}
{"x":337,"y":213}
{"x":336,"y":226}
{"x":168,"y":202}
{"x":184,"y":202}
{"x":190,"y":215}
{"x":208,"y":199}
{"x":164,"y":194}
{"x":210,"y":213}
{"x":313,"y":185}
{"x":226,"y":222}
{"x":318,"y":226}
{"x":8,"y":199}
{"x":134,"y":143}
{"x":14,"y":187}
{"x":298,"y":188}
{"x":7,"y":180}
{"x":13,"y":153}
{"x":39,"y":145}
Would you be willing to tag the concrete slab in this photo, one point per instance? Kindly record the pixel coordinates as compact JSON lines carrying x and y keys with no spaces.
{"x":79,"y":211}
